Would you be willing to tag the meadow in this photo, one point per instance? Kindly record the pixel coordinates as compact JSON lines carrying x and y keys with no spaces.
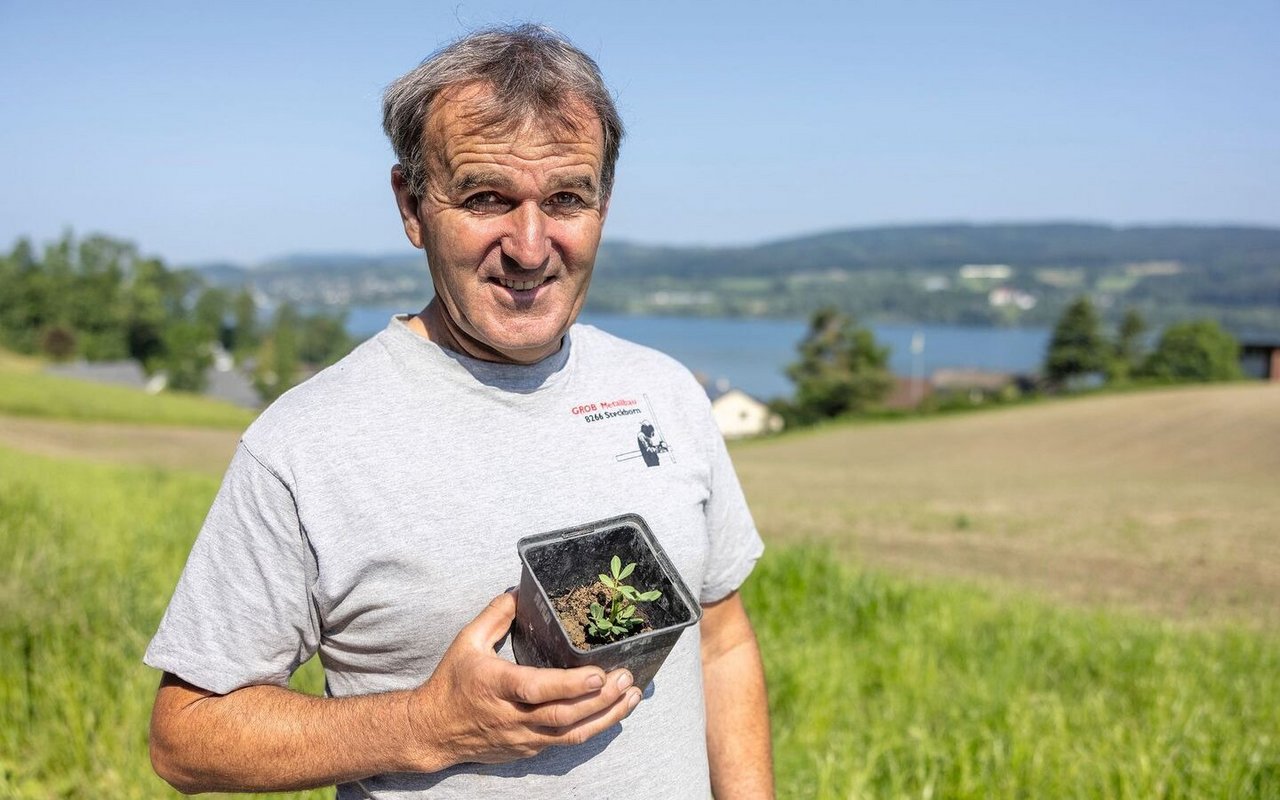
{"x":925,"y":631}
{"x":25,"y":391}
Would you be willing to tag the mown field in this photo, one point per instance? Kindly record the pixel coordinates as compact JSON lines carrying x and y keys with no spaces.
{"x":925,"y":631}
{"x":1161,"y":501}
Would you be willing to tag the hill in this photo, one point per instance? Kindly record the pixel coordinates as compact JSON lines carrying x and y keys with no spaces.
{"x":27,"y":392}
{"x":1158,"y":500}
{"x":879,"y":686}
{"x":884,"y":273}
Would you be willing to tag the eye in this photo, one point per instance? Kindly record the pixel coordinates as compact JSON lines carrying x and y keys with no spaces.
{"x":565,"y":202}
{"x":486,"y":203}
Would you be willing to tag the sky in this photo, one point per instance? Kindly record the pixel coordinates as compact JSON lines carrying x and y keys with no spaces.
{"x":246,"y":131}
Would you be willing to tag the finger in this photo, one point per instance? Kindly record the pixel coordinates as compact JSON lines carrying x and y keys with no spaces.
{"x":537,"y":685}
{"x":566,"y":713}
{"x":491,"y":624}
{"x":594,"y":725}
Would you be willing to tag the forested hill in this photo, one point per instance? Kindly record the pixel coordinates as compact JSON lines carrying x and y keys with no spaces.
{"x":910,"y":272}
{"x":949,"y":246}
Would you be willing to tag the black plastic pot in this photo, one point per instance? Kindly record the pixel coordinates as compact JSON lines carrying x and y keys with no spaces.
{"x":562,"y":560}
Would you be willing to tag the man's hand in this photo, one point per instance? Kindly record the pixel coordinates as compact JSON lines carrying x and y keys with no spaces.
{"x":479,"y":707}
{"x":475,"y":707}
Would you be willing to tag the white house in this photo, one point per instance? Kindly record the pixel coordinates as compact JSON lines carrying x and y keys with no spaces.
{"x":738,"y":414}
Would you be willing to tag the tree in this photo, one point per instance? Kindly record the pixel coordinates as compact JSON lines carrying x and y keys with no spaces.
{"x":1193,"y":352}
{"x":1126,"y":354}
{"x":185,"y":357}
{"x":323,"y":339}
{"x":211,"y":311}
{"x":244,"y":333}
{"x":841,"y":368}
{"x":1076,"y":348}
{"x":277,"y":368}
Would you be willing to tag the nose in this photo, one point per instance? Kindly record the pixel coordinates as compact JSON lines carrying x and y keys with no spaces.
{"x":526,"y":242}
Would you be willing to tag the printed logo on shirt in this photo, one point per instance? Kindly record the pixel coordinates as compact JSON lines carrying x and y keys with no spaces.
{"x":606,"y":409}
{"x":647,"y":441}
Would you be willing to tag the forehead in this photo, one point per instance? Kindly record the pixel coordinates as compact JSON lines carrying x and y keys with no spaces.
{"x":465,"y":125}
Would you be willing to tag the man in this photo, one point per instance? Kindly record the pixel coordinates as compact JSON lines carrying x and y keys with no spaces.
{"x":370,"y":511}
{"x":649,"y":446}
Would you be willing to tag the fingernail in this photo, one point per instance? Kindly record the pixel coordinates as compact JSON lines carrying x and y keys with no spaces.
{"x":595,"y":682}
{"x":624,"y":680}
{"x":633,"y":699}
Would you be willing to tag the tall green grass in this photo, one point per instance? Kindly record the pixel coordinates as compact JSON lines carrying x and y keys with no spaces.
{"x":92,"y":553}
{"x":882,"y":688}
{"x":879,"y":688}
{"x":34,"y":394}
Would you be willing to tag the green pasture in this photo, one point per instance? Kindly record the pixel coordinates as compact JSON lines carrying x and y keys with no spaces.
{"x":27,"y":392}
{"x":880,"y":687}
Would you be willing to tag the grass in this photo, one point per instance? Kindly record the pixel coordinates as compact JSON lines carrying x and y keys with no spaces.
{"x":27,"y":392}
{"x":880,"y":687}
{"x":1152,"y":514}
{"x":93,"y":553}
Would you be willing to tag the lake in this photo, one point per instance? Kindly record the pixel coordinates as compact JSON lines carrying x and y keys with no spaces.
{"x":752,"y":353}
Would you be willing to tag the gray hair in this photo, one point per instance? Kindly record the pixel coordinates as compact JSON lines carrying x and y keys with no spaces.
{"x":533,"y":73}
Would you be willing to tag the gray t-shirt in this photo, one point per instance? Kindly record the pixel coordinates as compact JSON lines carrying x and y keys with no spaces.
{"x":374,"y":510}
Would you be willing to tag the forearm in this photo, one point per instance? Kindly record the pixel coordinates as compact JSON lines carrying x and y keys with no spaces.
{"x":267,"y":738}
{"x":738,"y":741}
{"x":476,"y":707}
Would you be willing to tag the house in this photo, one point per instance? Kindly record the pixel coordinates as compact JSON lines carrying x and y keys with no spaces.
{"x":986,"y":272}
{"x":1260,"y":359}
{"x":224,"y":381}
{"x":738,"y":414}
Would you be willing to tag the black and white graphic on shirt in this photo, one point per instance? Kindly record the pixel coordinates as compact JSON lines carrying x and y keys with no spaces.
{"x":650,"y":443}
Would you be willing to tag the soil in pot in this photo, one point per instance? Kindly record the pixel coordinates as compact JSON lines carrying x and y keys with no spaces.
{"x":574,"y":610}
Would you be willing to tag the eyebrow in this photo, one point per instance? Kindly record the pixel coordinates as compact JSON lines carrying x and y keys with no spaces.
{"x":584,"y":182}
{"x":496,"y":180}
{"x":473,"y":180}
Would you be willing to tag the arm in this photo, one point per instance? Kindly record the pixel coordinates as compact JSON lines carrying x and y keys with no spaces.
{"x":737,"y":709}
{"x":476,"y":707}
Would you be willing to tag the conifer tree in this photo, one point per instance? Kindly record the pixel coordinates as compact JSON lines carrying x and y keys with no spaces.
{"x":1076,"y":348}
{"x":841,"y":368}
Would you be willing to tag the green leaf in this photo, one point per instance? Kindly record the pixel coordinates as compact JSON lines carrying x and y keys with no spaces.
{"x":628,"y":592}
{"x":616,"y":566}
{"x":607,"y":581}
{"x":626,"y":612}
{"x":650,"y":595}
{"x":597,"y":610}
{"x":627,"y":570}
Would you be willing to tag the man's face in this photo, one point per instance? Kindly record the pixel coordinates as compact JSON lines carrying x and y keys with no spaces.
{"x":510,"y":223}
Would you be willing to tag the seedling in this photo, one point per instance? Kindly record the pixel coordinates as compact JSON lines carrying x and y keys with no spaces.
{"x":621,"y":618}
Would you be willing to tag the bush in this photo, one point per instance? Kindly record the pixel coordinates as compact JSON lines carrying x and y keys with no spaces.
{"x":1194,"y":352}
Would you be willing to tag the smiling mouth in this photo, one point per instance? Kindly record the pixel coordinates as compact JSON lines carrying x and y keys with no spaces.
{"x":522,"y":286}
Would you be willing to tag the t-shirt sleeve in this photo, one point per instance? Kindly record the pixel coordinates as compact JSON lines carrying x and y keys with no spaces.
{"x":242,"y":612}
{"x":735,"y":542}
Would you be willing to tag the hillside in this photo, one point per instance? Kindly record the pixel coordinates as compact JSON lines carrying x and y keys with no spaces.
{"x":886,"y":273}
{"x":1163,"y":500}
{"x":1160,"y":500}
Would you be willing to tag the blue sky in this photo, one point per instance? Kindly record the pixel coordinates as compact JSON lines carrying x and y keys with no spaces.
{"x":210,"y":131}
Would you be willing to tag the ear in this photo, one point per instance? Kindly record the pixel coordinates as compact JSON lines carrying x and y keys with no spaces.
{"x":604,"y":207}
{"x":407,"y":202}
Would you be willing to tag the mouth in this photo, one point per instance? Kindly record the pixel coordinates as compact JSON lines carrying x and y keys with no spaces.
{"x":521,"y":286}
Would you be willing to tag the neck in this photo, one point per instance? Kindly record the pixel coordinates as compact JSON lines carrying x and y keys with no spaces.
{"x":436,"y":325}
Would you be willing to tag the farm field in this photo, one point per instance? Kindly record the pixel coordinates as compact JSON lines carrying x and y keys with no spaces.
{"x":1163,"y":501}
{"x":910,"y":607}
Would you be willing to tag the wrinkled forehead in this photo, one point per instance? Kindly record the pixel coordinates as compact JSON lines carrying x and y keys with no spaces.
{"x":474,"y":111}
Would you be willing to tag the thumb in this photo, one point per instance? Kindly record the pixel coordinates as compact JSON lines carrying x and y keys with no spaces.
{"x":492,"y":624}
